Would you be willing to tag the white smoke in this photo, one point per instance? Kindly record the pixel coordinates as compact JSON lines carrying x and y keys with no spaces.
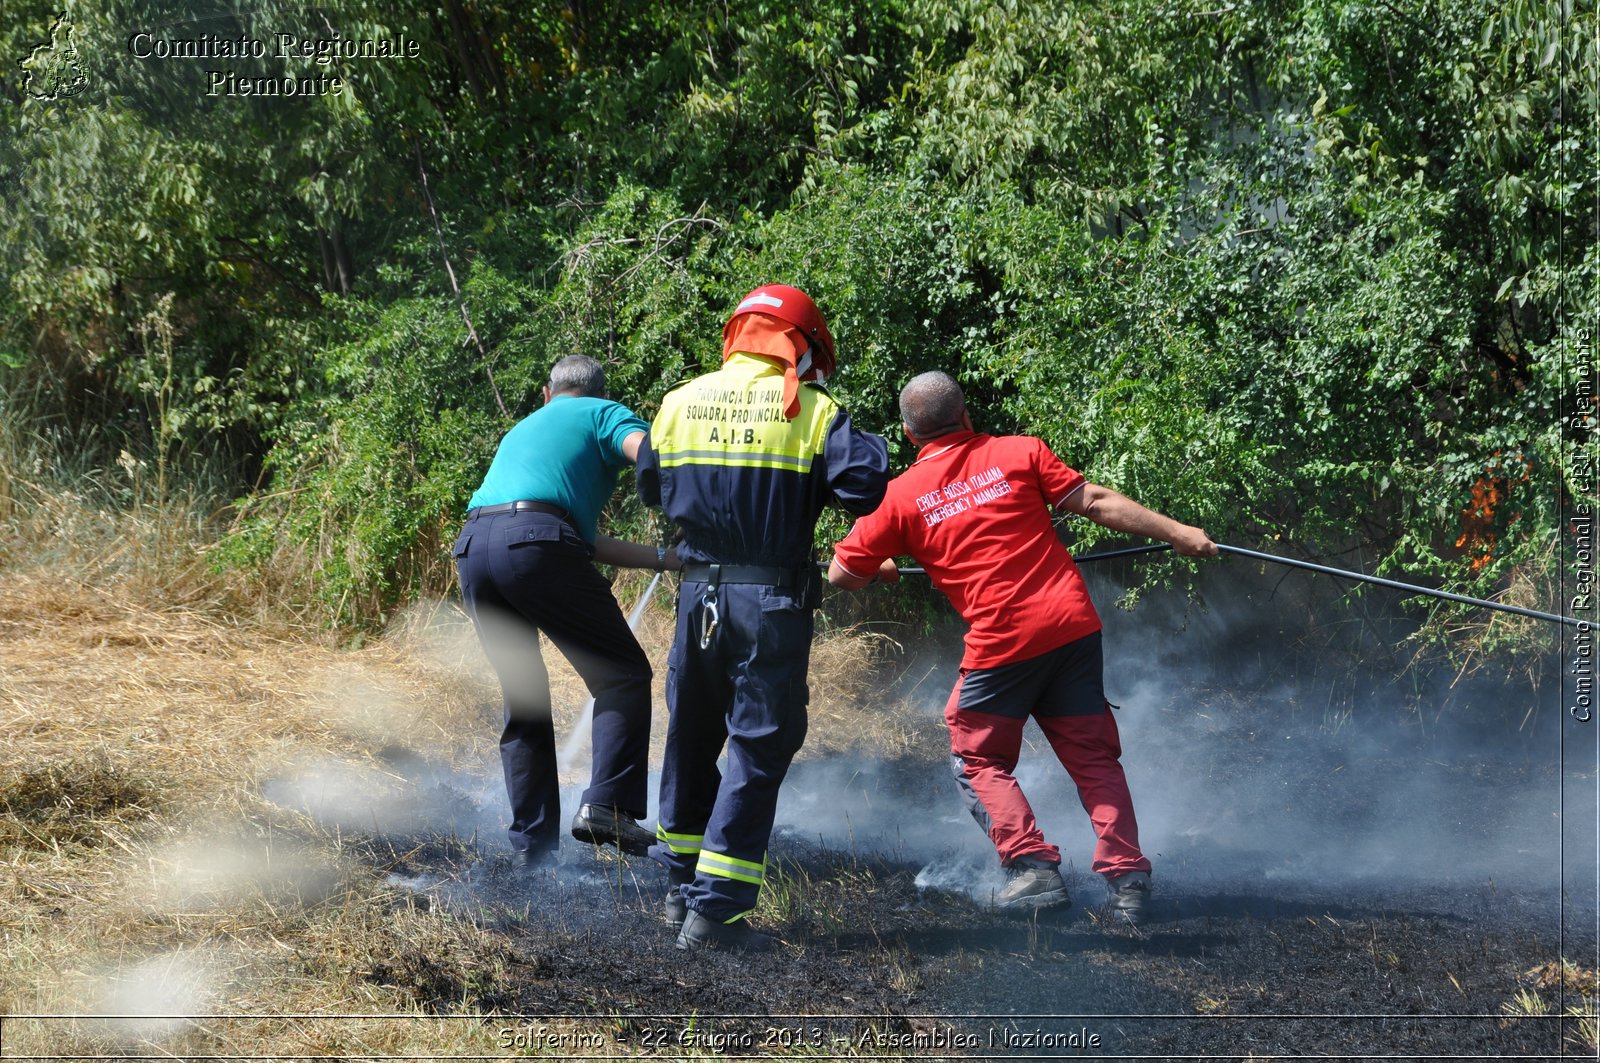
{"x":1245,"y":771}
{"x":159,"y":996}
{"x":216,"y":871}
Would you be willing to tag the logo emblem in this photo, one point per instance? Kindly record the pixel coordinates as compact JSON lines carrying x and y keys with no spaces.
{"x":54,"y":70}
{"x":759,"y":299}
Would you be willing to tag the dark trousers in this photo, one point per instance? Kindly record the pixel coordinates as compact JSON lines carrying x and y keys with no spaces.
{"x":523,"y":574}
{"x":746,"y":690}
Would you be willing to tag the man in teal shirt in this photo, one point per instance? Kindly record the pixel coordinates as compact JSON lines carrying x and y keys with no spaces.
{"x":524,"y":558}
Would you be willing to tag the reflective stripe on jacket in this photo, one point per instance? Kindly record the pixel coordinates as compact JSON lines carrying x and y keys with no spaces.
{"x":745,"y":483}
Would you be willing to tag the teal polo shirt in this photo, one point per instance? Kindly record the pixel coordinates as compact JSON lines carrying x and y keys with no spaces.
{"x":566,"y":453}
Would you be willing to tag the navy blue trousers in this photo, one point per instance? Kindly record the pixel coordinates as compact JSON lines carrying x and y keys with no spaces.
{"x":747,"y":691}
{"x":523,"y":574}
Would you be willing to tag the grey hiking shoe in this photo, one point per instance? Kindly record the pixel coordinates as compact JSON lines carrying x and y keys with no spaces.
{"x":1033,"y":886}
{"x":1129,"y":897}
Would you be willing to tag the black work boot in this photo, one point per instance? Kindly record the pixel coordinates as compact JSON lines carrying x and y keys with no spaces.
{"x":674,"y":907}
{"x":700,"y":932}
{"x":600,"y":825}
{"x":1033,"y":885}
{"x":525,"y":862}
{"x":1129,"y":897}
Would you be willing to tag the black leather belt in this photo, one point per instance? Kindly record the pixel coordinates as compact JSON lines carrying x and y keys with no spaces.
{"x":519,"y":506}
{"x":767,"y":575}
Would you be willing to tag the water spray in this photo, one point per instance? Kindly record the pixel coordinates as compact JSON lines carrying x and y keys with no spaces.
{"x":1329,"y":570}
{"x":569,"y":748}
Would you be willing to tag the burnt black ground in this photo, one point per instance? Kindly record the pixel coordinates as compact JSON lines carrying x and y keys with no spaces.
{"x":1352,"y":860}
{"x":1217,"y":972}
{"x":1251,"y":950}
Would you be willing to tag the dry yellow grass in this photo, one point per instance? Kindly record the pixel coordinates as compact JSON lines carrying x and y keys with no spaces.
{"x":849,"y":711}
{"x":137,"y":739}
{"x":1578,"y":986}
{"x":146,"y":871}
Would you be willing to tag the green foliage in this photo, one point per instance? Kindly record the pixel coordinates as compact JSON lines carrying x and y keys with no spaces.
{"x":374,"y":467}
{"x":369,"y":470}
{"x":726,"y":104}
{"x":1307,"y":295}
{"x":631,"y":293}
{"x":1306,"y":271}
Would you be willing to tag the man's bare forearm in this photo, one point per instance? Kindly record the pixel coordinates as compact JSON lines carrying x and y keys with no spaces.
{"x":843,"y":578}
{"x":1118,"y":512}
{"x":623,"y":554}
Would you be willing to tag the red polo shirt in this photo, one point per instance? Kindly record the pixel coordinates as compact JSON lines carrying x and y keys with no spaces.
{"x":975,"y":511}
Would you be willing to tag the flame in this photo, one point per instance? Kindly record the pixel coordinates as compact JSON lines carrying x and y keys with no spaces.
{"x":1478,"y":535}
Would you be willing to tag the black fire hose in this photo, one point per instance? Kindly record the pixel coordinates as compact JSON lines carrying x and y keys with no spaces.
{"x":1326,"y":570}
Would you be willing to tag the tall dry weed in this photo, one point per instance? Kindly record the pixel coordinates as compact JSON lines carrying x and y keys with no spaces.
{"x":133,"y":530}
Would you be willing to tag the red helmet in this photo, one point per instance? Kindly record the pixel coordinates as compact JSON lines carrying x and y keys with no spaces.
{"x":794,"y":307}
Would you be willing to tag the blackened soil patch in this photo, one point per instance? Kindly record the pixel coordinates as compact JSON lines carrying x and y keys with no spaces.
{"x":1317,"y":894}
{"x":868,"y":958}
{"x":1237,"y":975}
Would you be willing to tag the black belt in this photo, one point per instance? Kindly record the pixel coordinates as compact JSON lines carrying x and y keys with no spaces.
{"x":519,"y":506}
{"x":767,"y":575}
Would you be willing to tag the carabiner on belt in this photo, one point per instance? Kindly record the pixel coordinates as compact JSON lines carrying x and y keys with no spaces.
{"x":710,"y":616}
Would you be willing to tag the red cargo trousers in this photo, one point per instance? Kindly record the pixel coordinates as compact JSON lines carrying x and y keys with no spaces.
{"x":1064,"y":692}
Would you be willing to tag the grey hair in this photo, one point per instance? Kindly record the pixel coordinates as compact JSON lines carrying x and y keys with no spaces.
{"x":578,"y":374}
{"x":932,"y":405}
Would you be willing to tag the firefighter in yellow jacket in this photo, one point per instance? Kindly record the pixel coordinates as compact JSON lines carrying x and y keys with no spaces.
{"x":743,"y":460}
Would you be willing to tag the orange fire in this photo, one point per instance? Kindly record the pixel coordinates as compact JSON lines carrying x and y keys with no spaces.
{"x":1490,"y":489}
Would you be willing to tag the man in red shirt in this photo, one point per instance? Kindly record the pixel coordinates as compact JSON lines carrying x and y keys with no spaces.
{"x":975,"y":511}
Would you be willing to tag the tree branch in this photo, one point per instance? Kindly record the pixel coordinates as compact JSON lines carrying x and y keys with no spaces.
{"x":461,"y":303}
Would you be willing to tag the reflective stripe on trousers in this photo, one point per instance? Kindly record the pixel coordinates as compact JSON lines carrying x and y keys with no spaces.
{"x":745,"y":691}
